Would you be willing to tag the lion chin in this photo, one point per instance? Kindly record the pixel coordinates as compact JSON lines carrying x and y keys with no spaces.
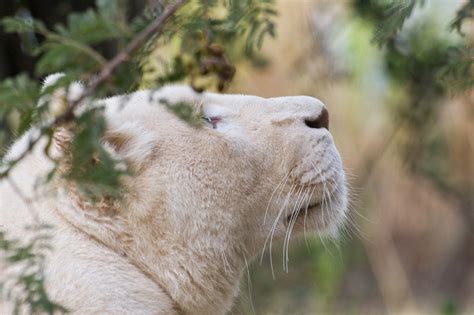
{"x":201,"y":203}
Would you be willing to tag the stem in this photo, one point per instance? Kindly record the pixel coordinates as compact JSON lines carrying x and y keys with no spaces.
{"x":78,"y":45}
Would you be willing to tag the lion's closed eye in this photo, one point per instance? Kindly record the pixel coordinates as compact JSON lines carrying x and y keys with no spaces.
{"x":212,"y":121}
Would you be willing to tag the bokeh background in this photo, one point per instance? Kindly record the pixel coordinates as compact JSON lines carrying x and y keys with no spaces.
{"x":407,"y":144}
{"x":409,"y":153}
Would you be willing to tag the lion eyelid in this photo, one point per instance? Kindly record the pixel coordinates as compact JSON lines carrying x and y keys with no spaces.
{"x":213,"y":120}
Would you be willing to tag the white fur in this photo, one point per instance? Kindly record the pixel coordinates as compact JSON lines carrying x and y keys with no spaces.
{"x":202,"y":202}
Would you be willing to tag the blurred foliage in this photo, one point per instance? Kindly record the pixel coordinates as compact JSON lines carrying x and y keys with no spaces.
{"x":207,"y":34}
{"x":27,"y":290}
{"x":187,"y":113}
{"x":451,"y":65}
{"x":202,"y":33}
{"x":201,"y":45}
{"x":72,"y":47}
{"x":18,"y":98}
{"x":464,"y":13}
{"x":391,"y":111}
{"x":449,"y":308}
{"x":430,"y":65}
{"x":91,"y":167}
{"x":459,"y":70}
{"x":394,"y":14}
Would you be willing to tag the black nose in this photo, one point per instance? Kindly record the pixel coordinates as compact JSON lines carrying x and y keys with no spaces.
{"x":321,"y":122}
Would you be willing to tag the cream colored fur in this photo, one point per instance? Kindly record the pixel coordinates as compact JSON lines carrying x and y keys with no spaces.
{"x":202,"y":202}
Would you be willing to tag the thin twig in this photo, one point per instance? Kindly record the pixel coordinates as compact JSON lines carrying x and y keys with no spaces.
{"x":26,"y":200}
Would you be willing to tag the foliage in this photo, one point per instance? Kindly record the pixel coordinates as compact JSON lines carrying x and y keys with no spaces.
{"x":95,"y":172}
{"x":454,"y":71}
{"x":459,"y":70}
{"x":202,"y":32}
{"x":395,"y":14}
{"x":187,"y":113}
{"x":18,"y":96}
{"x":430,"y":65}
{"x":208,"y":32}
{"x":27,"y":285}
{"x":464,"y":13}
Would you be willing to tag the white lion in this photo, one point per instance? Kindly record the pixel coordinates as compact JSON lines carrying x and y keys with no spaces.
{"x":202,"y":201}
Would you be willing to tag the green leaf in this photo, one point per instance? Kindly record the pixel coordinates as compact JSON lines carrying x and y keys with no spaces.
{"x":31,"y":279}
{"x":17,"y":25}
{"x":457,"y":74}
{"x":396,"y":12}
{"x":22,"y":25}
{"x":185,"y":111}
{"x":465,"y":12}
{"x":92,"y":168}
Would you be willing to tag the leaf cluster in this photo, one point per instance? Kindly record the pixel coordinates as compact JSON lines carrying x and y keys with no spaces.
{"x":74,"y":47}
{"x":449,"y":65}
{"x":429,"y":65}
{"x":395,"y":13}
{"x":464,"y":13}
{"x":206,"y":35}
{"x":190,"y":114}
{"x":18,"y":98}
{"x":457,"y":74}
{"x":27,"y":288}
{"x":91,"y":167}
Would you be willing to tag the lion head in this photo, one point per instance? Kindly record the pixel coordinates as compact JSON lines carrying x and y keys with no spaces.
{"x":203,"y":201}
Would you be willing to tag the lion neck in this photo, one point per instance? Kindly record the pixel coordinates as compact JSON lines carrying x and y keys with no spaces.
{"x":197,"y":277}
{"x":201,"y":275}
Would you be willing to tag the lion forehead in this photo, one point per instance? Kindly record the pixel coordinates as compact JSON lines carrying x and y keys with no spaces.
{"x":236,"y":105}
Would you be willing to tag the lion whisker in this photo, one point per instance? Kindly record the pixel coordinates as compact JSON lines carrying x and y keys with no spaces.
{"x":305,"y":217}
{"x":323,"y":203}
{"x":285,"y":179}
{"x":249,"y":285}
{"x":288,"y":230}
{"x":272,"y":230}
{"x":277,"y":198}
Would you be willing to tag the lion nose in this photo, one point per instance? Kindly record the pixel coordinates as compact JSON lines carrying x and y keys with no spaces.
{"x":321,"y":122}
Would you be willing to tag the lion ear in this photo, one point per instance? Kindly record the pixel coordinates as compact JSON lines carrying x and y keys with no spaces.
{"x":128,"y":141}
{"x":112,"y":142}
{"x":57,"y":101}
{"x":132,"y":143}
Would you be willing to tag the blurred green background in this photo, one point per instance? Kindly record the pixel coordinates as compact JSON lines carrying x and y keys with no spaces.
{"x":407,"y":142}
{"x":408,"y":146}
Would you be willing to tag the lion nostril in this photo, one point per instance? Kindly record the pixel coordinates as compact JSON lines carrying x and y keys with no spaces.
{"x":321,"y":122}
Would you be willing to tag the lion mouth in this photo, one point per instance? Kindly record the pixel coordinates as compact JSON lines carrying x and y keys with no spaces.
{"x":303,"y":211}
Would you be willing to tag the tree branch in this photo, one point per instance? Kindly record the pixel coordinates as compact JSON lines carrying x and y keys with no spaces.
{"x":104,"y":74}
{"x":155,"y":27}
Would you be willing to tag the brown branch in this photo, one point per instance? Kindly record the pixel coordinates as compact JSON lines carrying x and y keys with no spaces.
{"x":155,"y":27}
{"x":105,"y":73}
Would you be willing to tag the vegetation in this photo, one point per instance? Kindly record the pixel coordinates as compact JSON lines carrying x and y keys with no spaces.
{"x":431,"y":65}
{"x":199,"y":34}
{"x":401,"y":109}
{"x":118,"y":46}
